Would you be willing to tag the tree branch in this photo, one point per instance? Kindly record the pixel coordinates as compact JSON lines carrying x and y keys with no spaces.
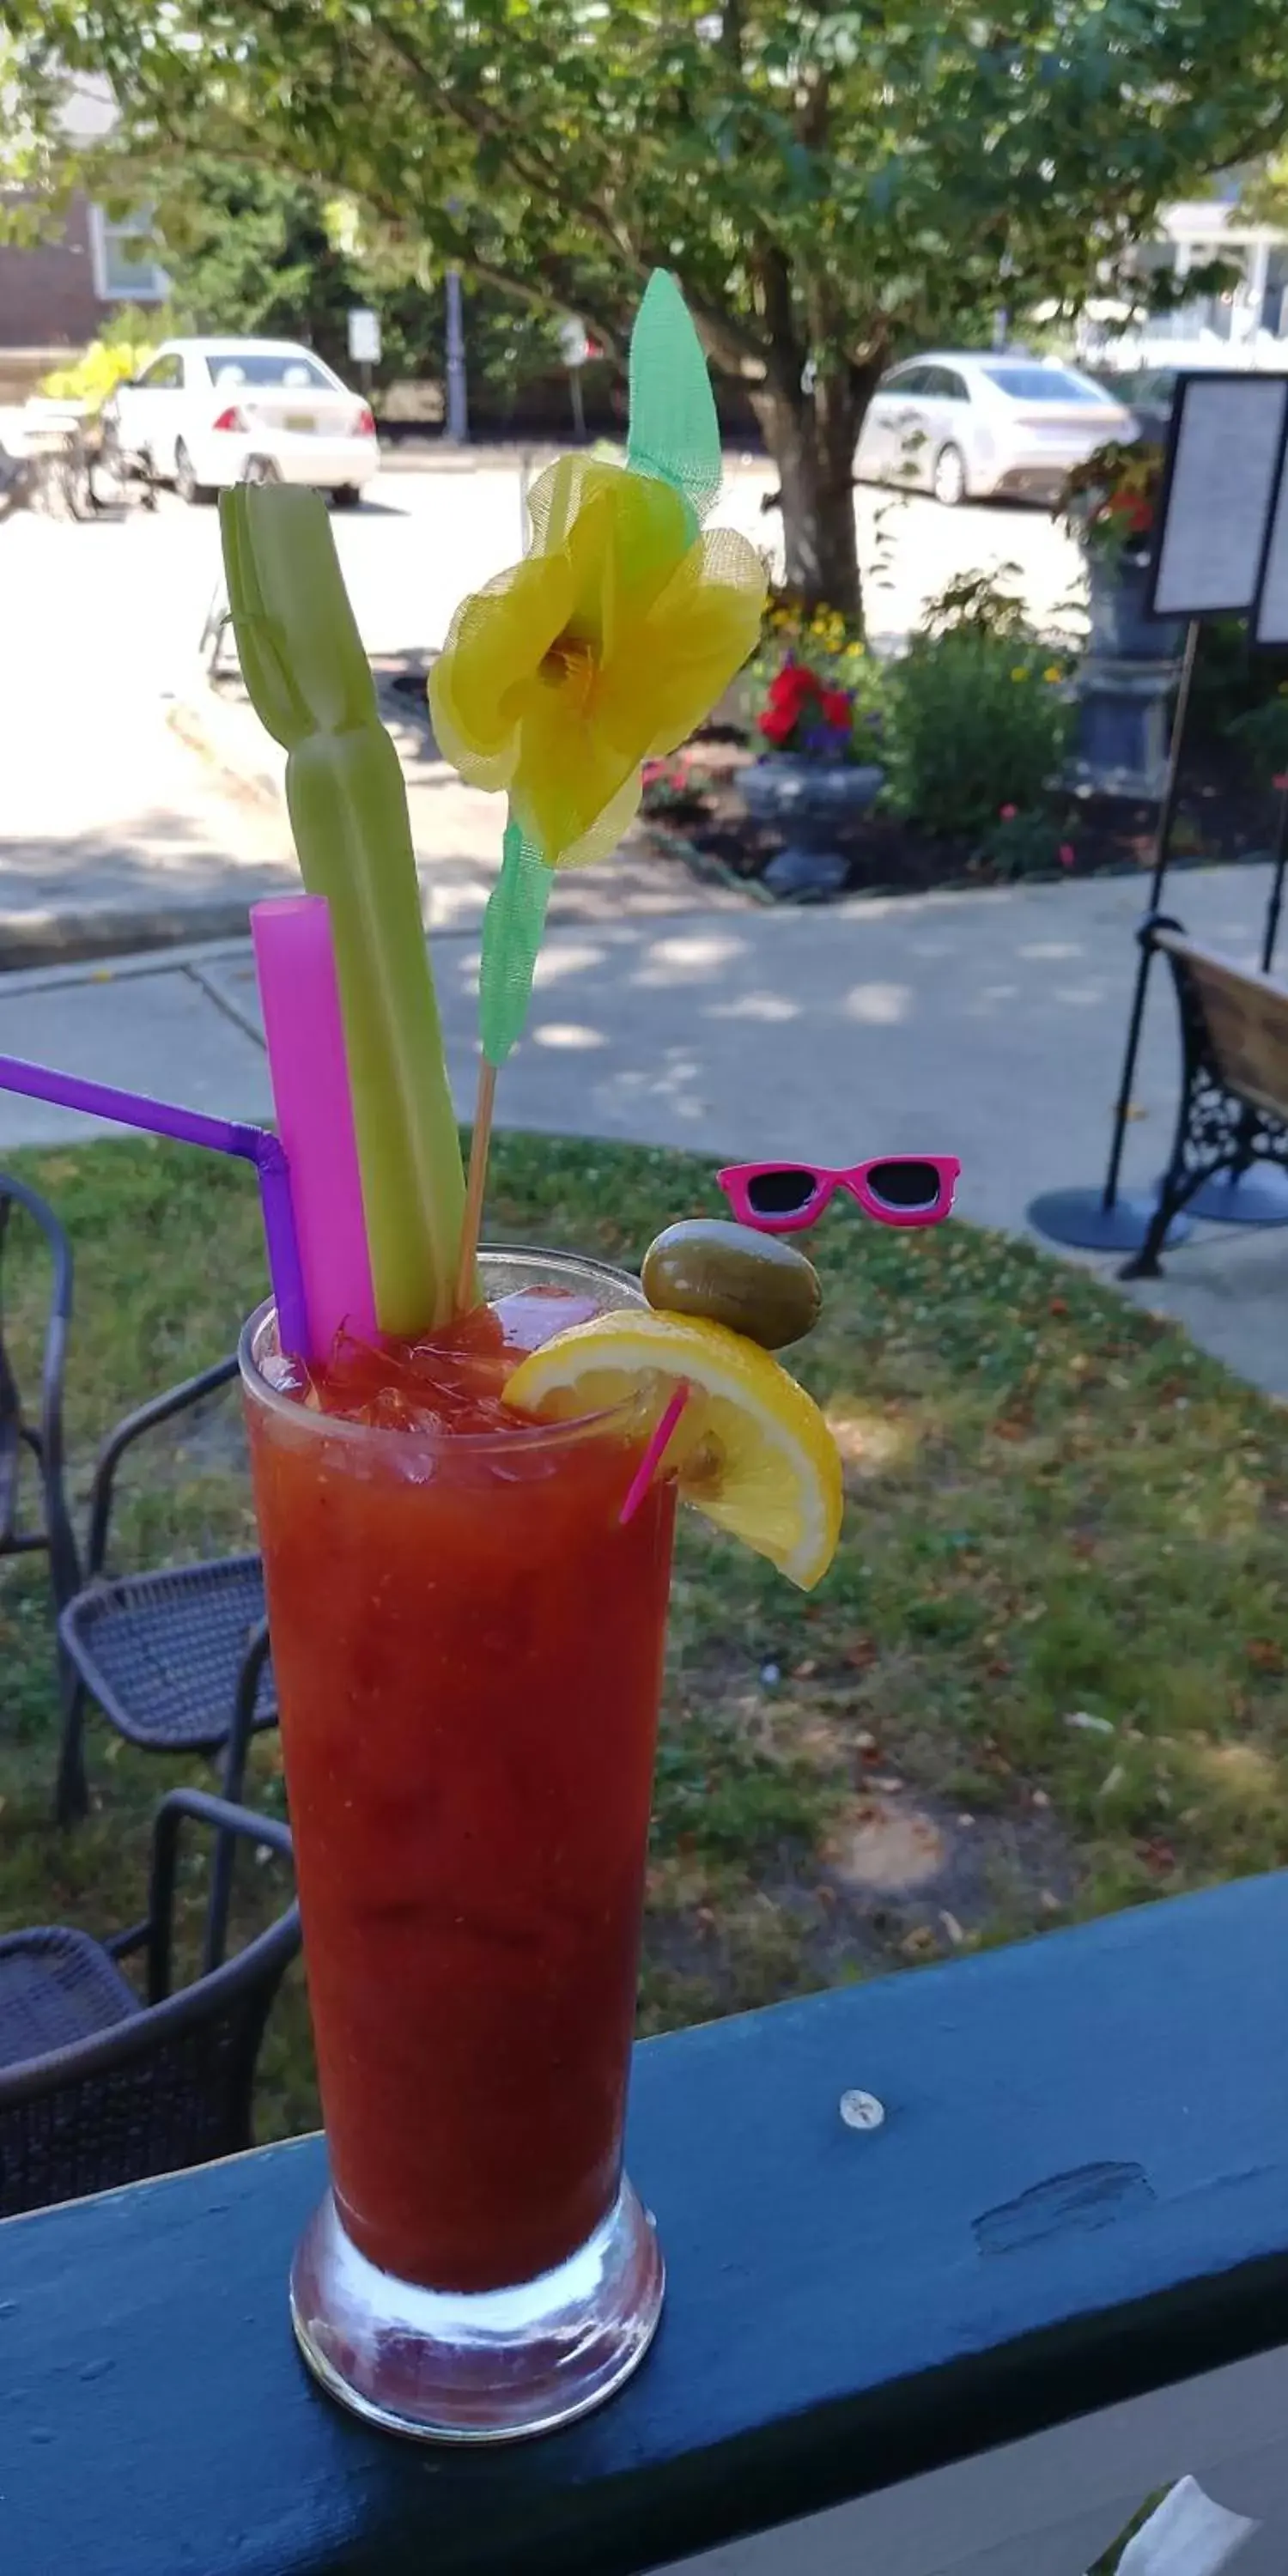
{"x":480,"y":117}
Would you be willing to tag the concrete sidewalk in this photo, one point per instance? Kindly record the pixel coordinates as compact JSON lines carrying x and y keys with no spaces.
{"x":986,"y":1025}
{"x":112,"y":836}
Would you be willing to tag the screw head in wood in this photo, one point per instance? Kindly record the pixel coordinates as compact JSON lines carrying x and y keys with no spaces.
{"x":862,"y":2111}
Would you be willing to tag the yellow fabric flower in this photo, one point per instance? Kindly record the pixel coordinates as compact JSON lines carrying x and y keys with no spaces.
{"x":602,"y":649}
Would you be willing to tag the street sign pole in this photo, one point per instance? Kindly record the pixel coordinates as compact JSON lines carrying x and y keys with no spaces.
{"x":364,"y":343}
{"x":458,"y":417}
{"x":575,"y":347}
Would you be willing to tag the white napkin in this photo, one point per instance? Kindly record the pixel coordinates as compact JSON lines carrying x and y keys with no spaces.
{"x":1188,"y":2535}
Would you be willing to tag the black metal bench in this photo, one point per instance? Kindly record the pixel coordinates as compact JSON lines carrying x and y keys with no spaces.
{"x":1234,"y":1077}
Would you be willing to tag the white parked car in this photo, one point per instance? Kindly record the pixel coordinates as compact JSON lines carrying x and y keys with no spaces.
{"x":969,"y":426}
{"x":205,"y":413}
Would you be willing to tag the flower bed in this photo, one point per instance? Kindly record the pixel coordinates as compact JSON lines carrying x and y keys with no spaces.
{"x":971,"y":728}
{"x":1224,"y":815}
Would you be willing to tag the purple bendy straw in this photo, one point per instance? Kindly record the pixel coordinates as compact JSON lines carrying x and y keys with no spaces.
{"x":192,"y":1127}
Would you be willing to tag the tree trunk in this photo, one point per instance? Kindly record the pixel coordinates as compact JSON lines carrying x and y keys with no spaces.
{"x":811,"y":438}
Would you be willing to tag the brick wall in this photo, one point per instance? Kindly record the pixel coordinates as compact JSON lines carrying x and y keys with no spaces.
{"x":47,"y":298}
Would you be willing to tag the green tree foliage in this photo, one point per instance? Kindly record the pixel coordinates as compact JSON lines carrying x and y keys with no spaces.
{"x":831,"y":183}
{"x":257,"y":251}
{"x":249,"y":250}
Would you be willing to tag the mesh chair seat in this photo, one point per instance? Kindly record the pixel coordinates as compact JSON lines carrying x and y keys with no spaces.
{"x":161,"y":1653}
{"x":57,"y":1987}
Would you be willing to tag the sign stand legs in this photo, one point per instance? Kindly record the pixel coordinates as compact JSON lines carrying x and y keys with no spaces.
{"x":1275,"y":905}
{"x":1102,"y":1220}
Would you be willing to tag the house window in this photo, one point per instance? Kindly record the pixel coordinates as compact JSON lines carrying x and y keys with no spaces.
{"x":126,"y":267}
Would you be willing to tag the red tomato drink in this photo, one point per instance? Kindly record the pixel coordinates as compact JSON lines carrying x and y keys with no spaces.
{"x":468,"y":1653}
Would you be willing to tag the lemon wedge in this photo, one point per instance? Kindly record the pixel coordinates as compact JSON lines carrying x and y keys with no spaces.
{"x":751,"y":1449}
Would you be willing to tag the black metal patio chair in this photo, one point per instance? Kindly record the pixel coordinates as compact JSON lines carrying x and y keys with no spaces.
{"x":100,"y":2087}
{"x":178,"y":1658}
{"x":40,"y":1441}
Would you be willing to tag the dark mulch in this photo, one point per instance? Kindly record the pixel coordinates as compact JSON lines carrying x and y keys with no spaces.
{"x":1223,"y":815}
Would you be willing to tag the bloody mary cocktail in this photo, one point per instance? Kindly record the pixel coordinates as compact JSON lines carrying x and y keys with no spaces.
{"x":468,"y":1652}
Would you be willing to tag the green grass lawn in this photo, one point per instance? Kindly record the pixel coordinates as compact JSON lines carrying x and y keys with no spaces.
{"x":1057,"y":1510}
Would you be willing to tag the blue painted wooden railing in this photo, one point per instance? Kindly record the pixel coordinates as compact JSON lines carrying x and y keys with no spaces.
{"x":1079,"y":2194}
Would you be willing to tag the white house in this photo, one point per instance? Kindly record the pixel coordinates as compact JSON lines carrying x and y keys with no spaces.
{"x":1246,"y":326}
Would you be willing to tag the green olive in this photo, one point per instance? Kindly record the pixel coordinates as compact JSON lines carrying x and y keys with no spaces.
{"x":755,"y":1283}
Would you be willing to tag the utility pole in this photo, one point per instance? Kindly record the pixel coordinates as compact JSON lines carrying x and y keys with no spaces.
{"x":458,"y":416}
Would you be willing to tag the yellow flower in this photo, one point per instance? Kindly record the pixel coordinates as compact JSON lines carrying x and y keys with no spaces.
{"x":1052,"y":673}
{"x":603,"y":648}
{"x":1021,"y":671}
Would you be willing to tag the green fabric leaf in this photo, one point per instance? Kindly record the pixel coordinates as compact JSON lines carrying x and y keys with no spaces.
{"x":512,"y":927}
{"x":674,"y":433}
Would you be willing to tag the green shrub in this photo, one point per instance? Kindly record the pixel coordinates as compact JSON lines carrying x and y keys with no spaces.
{"x":977,"y":721}
{"x":1262,"y":735}
{"x":981,"y":603}
{"x":1234,"y":678}
{"x":1027,"y":841}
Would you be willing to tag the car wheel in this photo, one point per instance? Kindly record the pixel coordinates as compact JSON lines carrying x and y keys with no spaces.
{"x":949,"y":479}
{"x":346,"y":496}
{"x":185,"y":481}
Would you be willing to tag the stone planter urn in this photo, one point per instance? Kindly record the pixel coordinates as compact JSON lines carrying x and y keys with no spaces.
{"x":1123,"y":686}
{"x":807,"y":802}
{"x":1121,"y":628}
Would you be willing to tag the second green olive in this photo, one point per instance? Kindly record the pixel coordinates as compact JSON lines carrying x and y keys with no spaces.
{"x":754,"y":1283}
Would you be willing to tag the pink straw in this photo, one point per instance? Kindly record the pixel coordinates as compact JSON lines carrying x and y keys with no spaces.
{"x":651,"y":1460}
{"x":300,"y":997}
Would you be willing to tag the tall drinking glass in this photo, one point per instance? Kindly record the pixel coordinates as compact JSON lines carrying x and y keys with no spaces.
{"x":468,"y":1654}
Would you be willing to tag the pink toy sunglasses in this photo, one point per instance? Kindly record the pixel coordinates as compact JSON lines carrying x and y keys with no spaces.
{"x":779,"y":1198}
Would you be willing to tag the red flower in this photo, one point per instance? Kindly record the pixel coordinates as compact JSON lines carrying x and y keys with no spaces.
{"x":791,"y":686}
{"x":1007,"y":813}
{"x":1066,"y":854}
{"x":778,"y":724}
{"x":837,"y":709}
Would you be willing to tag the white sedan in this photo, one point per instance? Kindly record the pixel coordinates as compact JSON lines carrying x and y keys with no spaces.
{"x":205,"y":413}
{"x":970,"y":426}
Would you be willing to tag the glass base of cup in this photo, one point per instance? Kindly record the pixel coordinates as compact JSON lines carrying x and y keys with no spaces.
{"x":486,"y":2366}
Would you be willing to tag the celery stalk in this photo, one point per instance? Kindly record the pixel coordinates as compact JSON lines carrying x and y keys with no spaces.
{"x":310,"y":682}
